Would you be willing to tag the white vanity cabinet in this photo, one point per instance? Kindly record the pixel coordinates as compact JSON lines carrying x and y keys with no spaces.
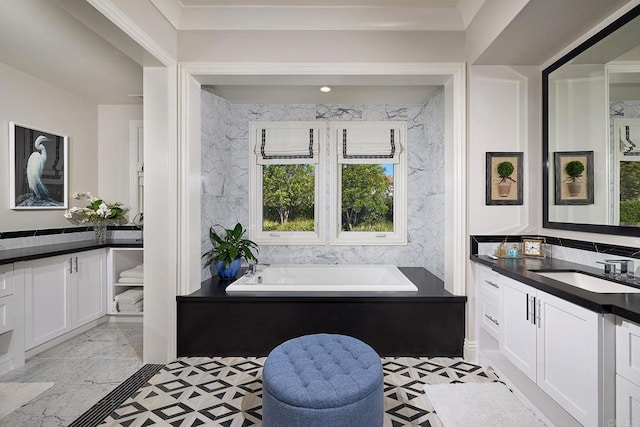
{"x":557,"y":345}
{"x":627,"y":373}
{"x":488,"y":293}
{"x":62,"y":293}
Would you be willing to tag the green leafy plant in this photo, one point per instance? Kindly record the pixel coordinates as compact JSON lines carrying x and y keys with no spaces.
{"x":574,"y":169}
{"x":505,"y":169}
{"x":230,"y":246}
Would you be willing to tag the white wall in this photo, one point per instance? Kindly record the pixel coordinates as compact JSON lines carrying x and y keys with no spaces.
{"x":577,"y":122}
{"x":113,"y":140}
{"x":30,"y":101}
{"x":321,"y":46}
{"x":504,"y":116}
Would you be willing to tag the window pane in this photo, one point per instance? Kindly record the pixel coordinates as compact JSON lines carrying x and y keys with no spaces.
{"x":288,"y":193}
{"x":630,"y":193}
{"x":367,"y":197}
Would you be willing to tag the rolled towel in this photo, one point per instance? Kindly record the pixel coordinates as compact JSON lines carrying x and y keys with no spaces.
{"x":136,"y":272}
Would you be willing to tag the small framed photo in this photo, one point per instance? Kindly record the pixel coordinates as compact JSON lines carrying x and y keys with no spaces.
{"x":38,"y":174}
{"x":504,"y":179}
{"x":573,"y":177}
{"x":533,"y":247}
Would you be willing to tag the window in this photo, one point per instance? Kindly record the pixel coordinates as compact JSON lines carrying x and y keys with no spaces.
{"x":287,"y":177}
{"x":369,"y":203}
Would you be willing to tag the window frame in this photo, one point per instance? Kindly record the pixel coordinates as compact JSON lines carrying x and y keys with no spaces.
{"x":256,"y":233}
{"x":399,"y":235}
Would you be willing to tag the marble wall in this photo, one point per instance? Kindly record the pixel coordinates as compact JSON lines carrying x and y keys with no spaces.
{"x":225,"y":178}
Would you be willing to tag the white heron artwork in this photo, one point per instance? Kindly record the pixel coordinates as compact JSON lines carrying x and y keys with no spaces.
{"x":39,"y":176}
{"x":35,"y":166}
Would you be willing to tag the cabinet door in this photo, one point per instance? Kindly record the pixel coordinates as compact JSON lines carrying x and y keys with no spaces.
{"x":627,"y":402}
{"x":568,"y":356}
{"x":47,"y":299}
{"x":517,"y":331}
{"x":89,"y":283}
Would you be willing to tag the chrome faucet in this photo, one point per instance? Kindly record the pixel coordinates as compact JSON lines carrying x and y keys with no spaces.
{"x":609,"y":268}
{"x":626,"y":267}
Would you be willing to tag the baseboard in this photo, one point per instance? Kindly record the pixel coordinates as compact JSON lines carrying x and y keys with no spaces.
{"x":125,"y":318}
{"x":62,"y":338}
{"x":470,"y":351}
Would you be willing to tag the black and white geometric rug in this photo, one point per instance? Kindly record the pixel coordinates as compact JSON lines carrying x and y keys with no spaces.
{"x":227,"y":391}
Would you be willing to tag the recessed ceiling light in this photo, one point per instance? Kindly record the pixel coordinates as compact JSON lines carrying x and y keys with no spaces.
{"x":325,"y":89}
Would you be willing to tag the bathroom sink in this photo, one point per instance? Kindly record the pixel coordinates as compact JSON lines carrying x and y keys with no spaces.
{"x":588,"y":283}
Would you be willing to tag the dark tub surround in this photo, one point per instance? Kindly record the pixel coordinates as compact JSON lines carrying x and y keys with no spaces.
{"x":429,"y":322}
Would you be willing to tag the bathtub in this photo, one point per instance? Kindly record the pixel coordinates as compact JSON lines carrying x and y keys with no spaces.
{"x":323,"y":278}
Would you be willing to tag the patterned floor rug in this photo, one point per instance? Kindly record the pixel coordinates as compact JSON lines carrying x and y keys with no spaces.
{"x":228,"y":392}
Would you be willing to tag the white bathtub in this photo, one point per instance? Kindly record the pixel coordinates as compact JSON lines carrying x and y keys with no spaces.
{"x":323,"y":278}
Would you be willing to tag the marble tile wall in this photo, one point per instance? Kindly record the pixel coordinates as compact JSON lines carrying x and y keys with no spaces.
{"x":565,"y":253}
{"x":225,"y":179}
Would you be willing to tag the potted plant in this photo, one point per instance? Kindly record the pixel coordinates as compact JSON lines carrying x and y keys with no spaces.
{"x":505,"y":169}
{"x":574,"y":169}
{"x":229,"y":250}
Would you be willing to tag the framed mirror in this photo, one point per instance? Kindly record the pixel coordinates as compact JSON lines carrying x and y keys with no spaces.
{"x":591,"y":133}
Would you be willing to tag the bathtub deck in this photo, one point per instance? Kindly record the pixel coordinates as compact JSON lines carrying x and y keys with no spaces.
{"x":429,"y":322}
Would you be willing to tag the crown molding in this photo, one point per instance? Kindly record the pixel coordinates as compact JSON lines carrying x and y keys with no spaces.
{"x":386,"y":16}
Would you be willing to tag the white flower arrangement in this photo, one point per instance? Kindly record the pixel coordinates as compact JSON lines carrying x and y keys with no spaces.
{"x":97,"y":210}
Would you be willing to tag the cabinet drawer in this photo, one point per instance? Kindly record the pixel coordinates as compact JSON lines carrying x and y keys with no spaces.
{"x":6,"y":314}
{"x":488,"y":283}
{"x":490,"y":316}
{"x":628,"y":351}
{"x":6,"y":280}
{"x":627,"y":402}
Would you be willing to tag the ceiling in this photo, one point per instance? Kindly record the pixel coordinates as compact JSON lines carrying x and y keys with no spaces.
{"x":70,"y":50}
{"x":305,"y":3}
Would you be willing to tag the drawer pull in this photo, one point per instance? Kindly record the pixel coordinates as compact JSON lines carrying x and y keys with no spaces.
{"x":492,"y":319}
{"x":495,"y":285}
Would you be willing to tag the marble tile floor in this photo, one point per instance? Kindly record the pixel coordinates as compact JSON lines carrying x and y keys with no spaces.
{"x":227,"y":392}
{"x":83,"y":370}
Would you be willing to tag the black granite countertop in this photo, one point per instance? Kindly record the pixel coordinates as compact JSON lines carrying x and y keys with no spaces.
{"x":9,"y":256}
{"x":625,"y":305}
{"x":429,"y":286}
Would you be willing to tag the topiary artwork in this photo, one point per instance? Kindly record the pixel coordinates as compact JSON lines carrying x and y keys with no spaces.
{"x":505,"y":169}
{"x":574,"y":169}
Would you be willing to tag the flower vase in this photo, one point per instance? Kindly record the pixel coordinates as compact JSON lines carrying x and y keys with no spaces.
{"x":100,"y":230}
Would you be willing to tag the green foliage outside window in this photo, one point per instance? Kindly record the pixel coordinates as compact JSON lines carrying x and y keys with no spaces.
{"x":288,"y":197}
{"x":367,"y":198}
{"x":629,"y":193}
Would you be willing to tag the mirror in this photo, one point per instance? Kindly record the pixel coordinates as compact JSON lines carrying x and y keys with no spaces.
{"x":591,"y":133}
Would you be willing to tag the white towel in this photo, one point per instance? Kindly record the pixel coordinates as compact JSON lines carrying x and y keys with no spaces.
{"x":137,"y":272}
{"x":131,"y":295}
{"x":136,"y":280}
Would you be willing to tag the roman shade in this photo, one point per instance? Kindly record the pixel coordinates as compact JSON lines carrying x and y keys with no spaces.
{"x":286,"y":145}
{"x":367,"y":146}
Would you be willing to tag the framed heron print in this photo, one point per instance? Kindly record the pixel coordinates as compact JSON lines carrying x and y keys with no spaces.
{"x":38,"y":168}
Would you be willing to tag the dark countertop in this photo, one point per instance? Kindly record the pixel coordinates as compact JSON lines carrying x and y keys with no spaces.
{"x":9,"y":256}
{"x":430,"y":288}
{"x":625,"y":305}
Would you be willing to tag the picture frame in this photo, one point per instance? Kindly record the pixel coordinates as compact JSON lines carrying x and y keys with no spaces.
{"x":504,"y":188}
{"x":573,"y":183}
{"x":38,"y":168}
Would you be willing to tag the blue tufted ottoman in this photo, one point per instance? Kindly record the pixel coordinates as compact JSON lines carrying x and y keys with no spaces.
{"x":322,"y":380}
